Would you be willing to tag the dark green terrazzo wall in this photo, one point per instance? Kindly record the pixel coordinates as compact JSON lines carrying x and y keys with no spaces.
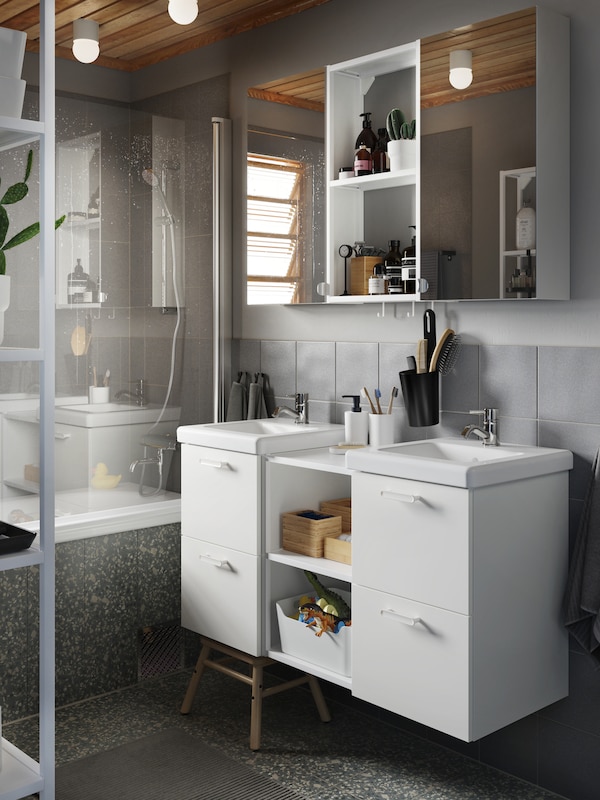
{"x":107,"y":589}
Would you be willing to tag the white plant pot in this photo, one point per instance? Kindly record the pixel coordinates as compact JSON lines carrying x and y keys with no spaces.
{"x":402,"y":154}
{"x":4,"y":301}
{"x":12,"y":88}
{"x":12,"y":51}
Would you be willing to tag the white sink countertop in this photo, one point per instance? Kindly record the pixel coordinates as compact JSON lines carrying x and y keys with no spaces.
{"x":458,"y":462}
{"x":261,"y":436}
{"x":102,"y":415}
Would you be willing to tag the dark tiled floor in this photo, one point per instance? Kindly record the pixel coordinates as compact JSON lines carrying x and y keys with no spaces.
{"x":354,"y":757}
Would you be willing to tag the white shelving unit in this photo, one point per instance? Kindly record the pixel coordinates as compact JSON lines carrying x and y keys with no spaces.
{"x":373,"y":209}
{"x":516,"y":186}
{"x":21,"y":775}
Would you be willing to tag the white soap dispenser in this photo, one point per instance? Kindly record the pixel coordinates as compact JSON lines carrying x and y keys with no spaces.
{"x":525,"y":228}
{"x":356,"y":424}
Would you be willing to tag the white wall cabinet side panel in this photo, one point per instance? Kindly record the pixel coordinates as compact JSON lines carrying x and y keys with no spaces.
{"x":412,"y":659}
{"x":220,"y":594}
{"x":220,"y":497}
{"x":411,"y":539}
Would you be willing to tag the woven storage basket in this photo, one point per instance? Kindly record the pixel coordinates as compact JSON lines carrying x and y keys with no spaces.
{"x":339,"y":508}
{"x":305,"y":534}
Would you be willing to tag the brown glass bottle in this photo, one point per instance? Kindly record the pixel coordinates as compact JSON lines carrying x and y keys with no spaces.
{"x":363,"y":149}
{"x":380,"y":161}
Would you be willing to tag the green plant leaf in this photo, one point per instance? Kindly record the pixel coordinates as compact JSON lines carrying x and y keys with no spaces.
{"x":15,"y":193}
{"x":28,"y":167}
{"x":2,"y":263}
{"x":3,"y":224}
{"x":394,"y":122}
{"x":24,"y":236}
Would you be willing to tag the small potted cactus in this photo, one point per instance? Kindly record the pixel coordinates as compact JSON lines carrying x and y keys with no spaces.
{"x":402,"y":144}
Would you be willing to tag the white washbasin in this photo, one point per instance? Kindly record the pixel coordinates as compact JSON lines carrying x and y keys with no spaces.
{"x":460,"y":462}
{"x":101,"y":415}
{"x":262,"y":436}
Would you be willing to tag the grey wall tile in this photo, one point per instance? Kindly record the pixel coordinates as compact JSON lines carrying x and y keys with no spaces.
{"x":392,"y":361}
{"x":278,"y":362}
{"x":356,"y":366}
{"x":583,"y":441}
{"x":568,"y":383}
{"x":459,"y":390}
{"x":316,"y":370}
{"x":508,"y":377}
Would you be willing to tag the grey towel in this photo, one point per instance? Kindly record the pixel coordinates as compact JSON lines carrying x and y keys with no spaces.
{"x":237,"y":404}
{"x":581,"y":608}
{"x":257,"y":408}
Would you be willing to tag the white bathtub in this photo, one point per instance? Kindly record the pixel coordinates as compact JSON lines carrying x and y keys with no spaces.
{"x":83,"y":513}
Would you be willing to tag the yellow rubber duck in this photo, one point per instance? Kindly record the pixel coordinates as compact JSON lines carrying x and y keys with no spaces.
{"x":101,"y":479}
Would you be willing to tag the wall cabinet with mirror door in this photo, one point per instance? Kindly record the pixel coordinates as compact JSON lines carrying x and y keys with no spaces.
{"x":78,"y":262}
{"x":504,"y":121}
{"x":374,"y":208}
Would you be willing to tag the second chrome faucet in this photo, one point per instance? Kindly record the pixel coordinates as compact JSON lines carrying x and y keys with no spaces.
{"x":299,"y":412}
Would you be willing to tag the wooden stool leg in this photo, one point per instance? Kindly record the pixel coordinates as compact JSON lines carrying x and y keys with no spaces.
{"x":320,"y":703}
{"x":195,"y":680}
{"x":256,"y":707}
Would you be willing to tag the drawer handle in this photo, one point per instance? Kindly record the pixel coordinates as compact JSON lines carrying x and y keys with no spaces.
{"x":207,"y":462}
{"x":217,"y":562}
{"x":62,"y":435}
{"x":388,"y":612}
{"x":401,"y":498}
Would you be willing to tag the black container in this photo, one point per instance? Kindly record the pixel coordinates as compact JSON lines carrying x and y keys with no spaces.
{"x":421,"y":392}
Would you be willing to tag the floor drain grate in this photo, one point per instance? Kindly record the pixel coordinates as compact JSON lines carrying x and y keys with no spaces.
{"x":160,"y":651}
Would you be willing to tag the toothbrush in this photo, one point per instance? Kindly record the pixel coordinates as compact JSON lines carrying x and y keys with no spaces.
{"x":393,"y":393}
{"x":106,"y":377}
{"x":366,"y":394}
{"x":377,"y":399}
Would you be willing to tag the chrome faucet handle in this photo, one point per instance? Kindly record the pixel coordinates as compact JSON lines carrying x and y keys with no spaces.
{"x":301,"y":406}
{"x":490,"y":424}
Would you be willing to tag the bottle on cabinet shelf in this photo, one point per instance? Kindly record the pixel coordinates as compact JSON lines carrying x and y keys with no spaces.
{"x":525,"y":227}
{"x":380,"y":156}
{"x":77,"y":282}
{"x":363,"y":149}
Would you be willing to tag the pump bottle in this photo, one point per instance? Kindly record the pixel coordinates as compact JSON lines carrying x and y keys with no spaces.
{"x":356,"y":424}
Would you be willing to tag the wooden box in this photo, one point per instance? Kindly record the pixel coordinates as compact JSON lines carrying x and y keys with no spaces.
{"x":305,"y":531}
{"x":340,"y":508}
{"x":361,"y":269}
{"x":338,"y":550}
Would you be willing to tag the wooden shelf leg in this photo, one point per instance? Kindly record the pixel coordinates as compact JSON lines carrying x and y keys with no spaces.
{"x":256,"y":707}
{"x":195,"y":680}
{"x":320,"y":702}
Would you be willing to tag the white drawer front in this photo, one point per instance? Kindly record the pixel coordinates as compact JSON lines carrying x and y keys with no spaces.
{"x":220,"y":593}
{"x":220,"y":497}
{"x":412,"y":659}
{"x":411,"y":539}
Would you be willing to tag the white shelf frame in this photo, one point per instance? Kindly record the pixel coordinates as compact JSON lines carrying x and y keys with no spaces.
{"x":21,"y":775}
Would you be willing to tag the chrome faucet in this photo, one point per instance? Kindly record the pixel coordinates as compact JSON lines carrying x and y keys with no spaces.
{"x":489,"y":432}
{"x":139,"y":396}
{"x":299,"y":412}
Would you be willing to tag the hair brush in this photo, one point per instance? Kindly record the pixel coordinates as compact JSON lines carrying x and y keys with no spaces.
{"x":445,"y":353}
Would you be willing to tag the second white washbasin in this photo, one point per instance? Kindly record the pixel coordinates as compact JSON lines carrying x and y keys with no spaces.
{"x":458,"y":462}
{"x":262,"y":436}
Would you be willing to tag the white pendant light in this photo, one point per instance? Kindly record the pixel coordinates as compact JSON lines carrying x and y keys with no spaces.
{"x":183,"y":12}
{"x":86,"y":36}
{"x":461,"y":68}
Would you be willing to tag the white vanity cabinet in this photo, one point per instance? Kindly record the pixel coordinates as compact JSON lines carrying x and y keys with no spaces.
{"x":220,"y":546}
{"x":456,"y":599}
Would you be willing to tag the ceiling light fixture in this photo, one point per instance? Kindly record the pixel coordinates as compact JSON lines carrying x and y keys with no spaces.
{"x":86,"y":35}
{"x":461,"y":68}
{"x":183,"y":12}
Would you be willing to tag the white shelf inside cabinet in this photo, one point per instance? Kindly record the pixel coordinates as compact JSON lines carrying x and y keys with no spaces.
{"x":324,"y":566}
{"x":320,"y":458}
{"x":311,"y":669}
{"x":385,"y":180}
{"x":20,"y":774}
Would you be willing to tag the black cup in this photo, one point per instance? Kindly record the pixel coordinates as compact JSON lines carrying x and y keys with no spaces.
{"x":421,"y":392}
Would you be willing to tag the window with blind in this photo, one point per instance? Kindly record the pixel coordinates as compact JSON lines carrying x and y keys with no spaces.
{"x":275,"y":248}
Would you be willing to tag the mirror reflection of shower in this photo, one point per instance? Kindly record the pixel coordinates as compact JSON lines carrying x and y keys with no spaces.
{"x":163,"y":170}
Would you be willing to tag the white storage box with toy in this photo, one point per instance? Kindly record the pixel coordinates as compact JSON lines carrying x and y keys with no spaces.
{"x":319,"y":640}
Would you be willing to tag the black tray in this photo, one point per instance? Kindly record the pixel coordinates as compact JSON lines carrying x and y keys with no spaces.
{"x":13,"y":539}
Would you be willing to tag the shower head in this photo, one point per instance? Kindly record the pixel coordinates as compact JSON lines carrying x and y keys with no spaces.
{"x":152,"y":180}
{"x":150,"y":177}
